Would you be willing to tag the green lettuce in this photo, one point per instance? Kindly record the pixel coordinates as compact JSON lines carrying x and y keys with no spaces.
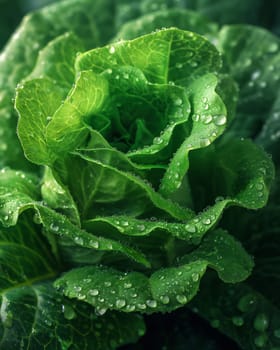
{"x":130,"y":162}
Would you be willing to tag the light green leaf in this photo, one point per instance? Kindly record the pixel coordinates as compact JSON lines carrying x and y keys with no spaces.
{"x":19,"y":57}
{"x":67,"y":128}
{"x":56,"y":60}
{"x":165,"y":289}
{"x":36,"y":102}
{"x":170,"y":55}
{"x":209,"y":122}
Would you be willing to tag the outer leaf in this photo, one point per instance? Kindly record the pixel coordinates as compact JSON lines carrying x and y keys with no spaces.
{"x":18,"y":58}
{"x":34,"y":315}
{"x":14,"y":201}
{"x":254,"y":66}
{"x":36,"y":101}
{"x":249,"y":318}
{"x":165,"y":289}
{"x":180,"y":18}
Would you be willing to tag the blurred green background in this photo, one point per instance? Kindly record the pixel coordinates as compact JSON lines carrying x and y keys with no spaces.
{"x":265,"y":13}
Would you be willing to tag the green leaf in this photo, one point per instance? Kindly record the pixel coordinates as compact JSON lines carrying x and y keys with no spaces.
{"x":180,"y":18}
{"x":15,"y":200}
{"x":56,"y":60}
{"x":164,"y":56}
{"x":34,"y":314}
{"x":209,"y":121}
{"x":36,"y":102}
{"x":19,"y":57}
{"x":252,"y":56}
{"x":113,"y":190}
{"x":165,"y":289}
{"x":67,"y":124}
{"x":249,"y":318}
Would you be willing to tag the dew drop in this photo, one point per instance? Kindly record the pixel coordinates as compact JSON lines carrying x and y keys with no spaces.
{"x":196,"y":117}
{"x":206,"y":221}
{"x":79,"y":240}
{"x":158,"y":140}
{"x":141,"y":227}
{"x":120,"y":303}
{"x":107,"y":284}
{"x":127,"y":285}
{"x":94,"y":244}
{"x":261,"y":322}
{"x":182,"y":299}
{"x":195,"y":277}
{"x":179,"y":65}
{"x":151,"y":303}
{"x":207,"y":119}
{"x":220,"y":120}
{"x":247,"y":303}
{"x":164,"y":299}
{"x":100,"y":311}
{"x":94,"y":292}
{"x":204,"y":142}
{"x":260,"y":340}
{"x":190,"y":228}
{"x":238,"y":321}
{"x":68,"y":312}
{"x":112,"y":49}
{"x":54,"y":227}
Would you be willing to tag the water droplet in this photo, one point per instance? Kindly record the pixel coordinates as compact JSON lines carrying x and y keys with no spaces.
{"x":178,"y":102}
{"x":120,"y":303}
{"x":79,"y":240}
{"x":237,"y":321}
{"x":190,"y":228}
{"x":77,"y":288}
{"x":220,"y":120}
{"x":130,"y":308}
{"x":141,"y":227}
{"x":54,"y":227}
{"x":204,"y":142}
{"x":151,"y":303}
{"x":68,"y":312}
{"x":247,"y":303}
{"x":207,"y":119}
{"x":196,"y":117}
{"x":100,"y":311}
{"x":94,"y":244}
{"x":255,"y":75}
{"x":273,"y":47}
{"x":260,"y":340}
{"x":164,"y":299}
{"x":179,"y":65}
{"x":158,"y":140}
{"x":195,"y":277}
{"x":93,"y":292}
{"x":112,"y":49}
{"x":206,"y":221}
{"x":107,"y":284}
{"x":261,"y":322}
{"x":182,"y":299}
{"x":127,"y":285}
